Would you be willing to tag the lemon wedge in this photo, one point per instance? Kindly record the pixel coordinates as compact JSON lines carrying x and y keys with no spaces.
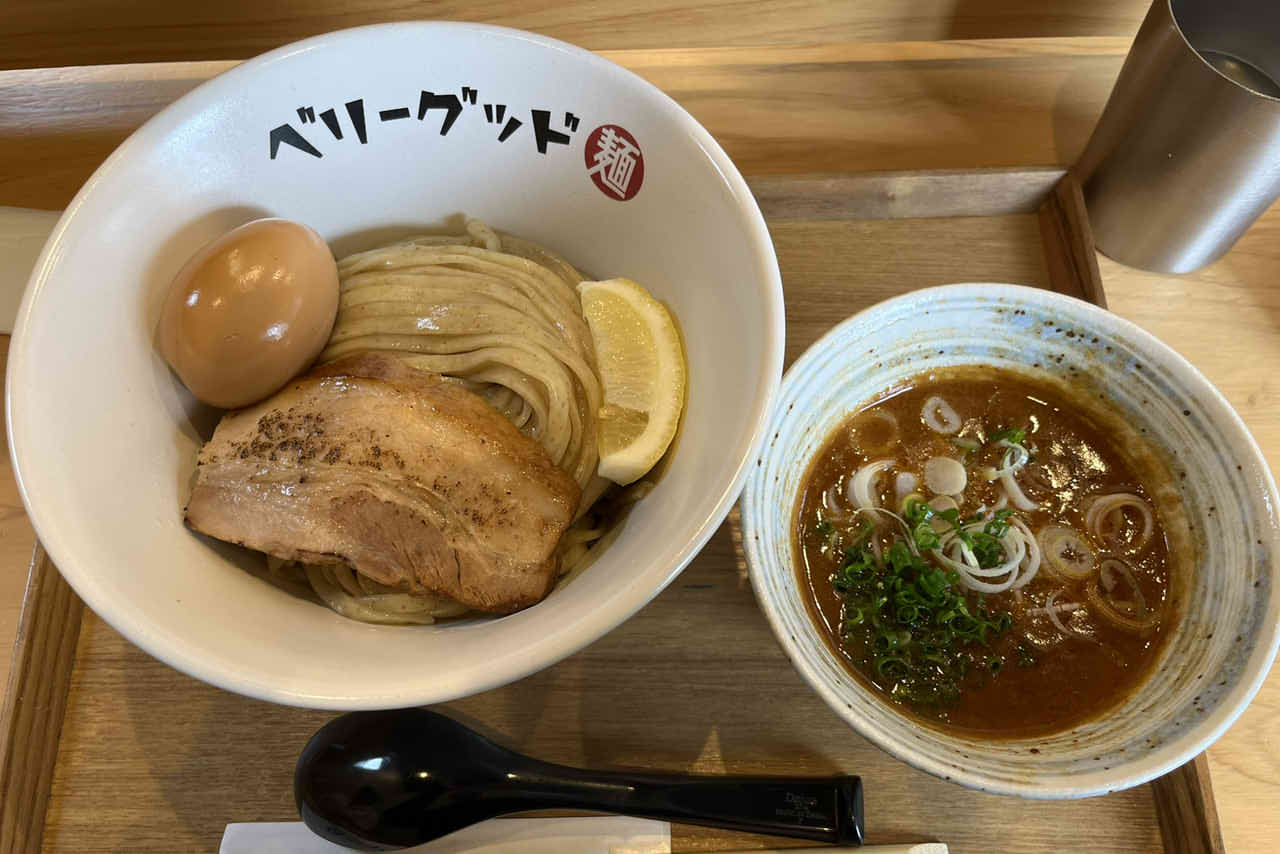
{"x":642,"y":366}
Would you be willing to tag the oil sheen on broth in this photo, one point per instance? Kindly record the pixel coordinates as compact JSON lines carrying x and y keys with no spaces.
{"x":981,"y":553}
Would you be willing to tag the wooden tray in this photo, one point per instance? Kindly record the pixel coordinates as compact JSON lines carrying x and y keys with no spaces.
{"x":104,"y":749}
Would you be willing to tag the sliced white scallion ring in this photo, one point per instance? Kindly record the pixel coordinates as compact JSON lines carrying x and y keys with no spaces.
{"x":1052,"y":613}
{"x":831,"y":503}
{"x":941,"y":504}
{"x":1060,"y":608}
{"x":954,"y":553}
{"x":903,"y":486}
{"x":1015,"y":494}
{"x":1015,"y":457}
{"x":1105,"y":518}
{"x":864,"y":480}
{"x":940,"y":417}
{"x":875,"y":516}
{"x":1065,"y":553}
{"x":891,"y":435}
{"x":1011,"y":544}
{"x":1098,"y":591}
{"x":1030,"y":565}
{"x":945,"y":476}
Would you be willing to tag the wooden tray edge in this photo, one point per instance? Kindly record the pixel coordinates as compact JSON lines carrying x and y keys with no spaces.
{"x":35,"y":703}
{"x":48,"y":631}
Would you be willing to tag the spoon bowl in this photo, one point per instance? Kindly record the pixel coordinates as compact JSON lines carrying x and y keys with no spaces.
{"x":380,"y":781}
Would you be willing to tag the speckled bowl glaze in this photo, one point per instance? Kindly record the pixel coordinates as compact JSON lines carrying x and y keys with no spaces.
{"x":1226,"y":638}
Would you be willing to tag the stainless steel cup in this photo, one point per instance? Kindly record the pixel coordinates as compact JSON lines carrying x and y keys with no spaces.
{"x":1187,"y":152}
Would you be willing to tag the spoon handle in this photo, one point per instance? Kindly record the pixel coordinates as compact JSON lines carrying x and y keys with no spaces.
{"x":822,"y":809}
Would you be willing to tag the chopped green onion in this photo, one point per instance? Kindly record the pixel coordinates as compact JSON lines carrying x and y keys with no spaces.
{"x":1013,"y":435}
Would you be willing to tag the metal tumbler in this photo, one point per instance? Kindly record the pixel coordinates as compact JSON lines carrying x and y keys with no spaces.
{"x":1187,"y":152}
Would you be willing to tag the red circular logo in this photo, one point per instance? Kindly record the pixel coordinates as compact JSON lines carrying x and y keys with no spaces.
{"x":614,"y":162}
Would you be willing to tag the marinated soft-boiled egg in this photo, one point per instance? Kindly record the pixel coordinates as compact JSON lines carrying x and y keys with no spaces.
{"x":250,"y":311}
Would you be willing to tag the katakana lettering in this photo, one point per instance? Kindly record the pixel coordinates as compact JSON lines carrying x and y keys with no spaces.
{"x":355,"y":111}
{"x":432,"y":101}
{"x":452,"y":106}
{"x":288,"y":136}
{"x":513,"y":124}
{"x":330,"y":119}
{"x":542,"y":132}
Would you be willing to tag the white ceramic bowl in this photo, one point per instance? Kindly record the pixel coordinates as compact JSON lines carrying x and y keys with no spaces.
{"x":102,"y":433}
{"x":1226,"y":640}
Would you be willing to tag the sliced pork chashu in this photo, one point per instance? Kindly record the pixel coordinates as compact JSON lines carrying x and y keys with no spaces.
{"x":408,"y":478}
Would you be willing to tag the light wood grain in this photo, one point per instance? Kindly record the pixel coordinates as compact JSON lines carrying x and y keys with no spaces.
{"x":16,"y":540}
{"x":1026,"y":102}
{"x":626,"y":701}
{"x":694,"y":681}
{"x":1187,"y":812}
{"x":905,"y":195}
{"x":1068,"y":243}
{"x":34,"y":704}
{"x":777,"y":110}
{"x":46,"y":33}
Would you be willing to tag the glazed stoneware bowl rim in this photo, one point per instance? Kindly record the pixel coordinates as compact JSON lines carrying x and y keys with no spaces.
{"x":761,"y":525}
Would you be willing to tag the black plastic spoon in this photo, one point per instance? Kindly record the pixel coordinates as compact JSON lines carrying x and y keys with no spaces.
{"x":378,"y":781}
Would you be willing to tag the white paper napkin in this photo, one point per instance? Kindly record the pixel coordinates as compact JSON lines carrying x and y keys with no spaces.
{"x":23,"y":232}
{"x":594,"y":835}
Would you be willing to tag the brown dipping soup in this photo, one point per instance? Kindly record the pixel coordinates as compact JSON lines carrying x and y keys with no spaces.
{"x":1032,"y":596}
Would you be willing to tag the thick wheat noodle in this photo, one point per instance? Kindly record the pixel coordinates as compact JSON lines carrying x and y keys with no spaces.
{"x":524,"y":400}
{"x":501,"y":316}
{"x":444,"y":345}
{"x":559,"y":426}
{"x":399,"y":330}
{"x":463,"y":320}
{"x":548,"y":391}
{"x":512,"y":406}
{"x":522,"y":275}
{"x":488,"y":367}
{"x":404,"y":288}
{"x":534,"y":360}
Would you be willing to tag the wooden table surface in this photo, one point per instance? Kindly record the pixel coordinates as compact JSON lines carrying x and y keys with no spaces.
{"x":793,"y":109}
{"x":50,"y":33}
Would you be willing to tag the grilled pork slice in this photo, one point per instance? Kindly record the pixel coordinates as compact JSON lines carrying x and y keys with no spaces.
{"x":410,"y":479}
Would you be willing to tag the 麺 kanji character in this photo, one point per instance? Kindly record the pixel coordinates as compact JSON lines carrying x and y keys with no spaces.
{"x":614,"y":160}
